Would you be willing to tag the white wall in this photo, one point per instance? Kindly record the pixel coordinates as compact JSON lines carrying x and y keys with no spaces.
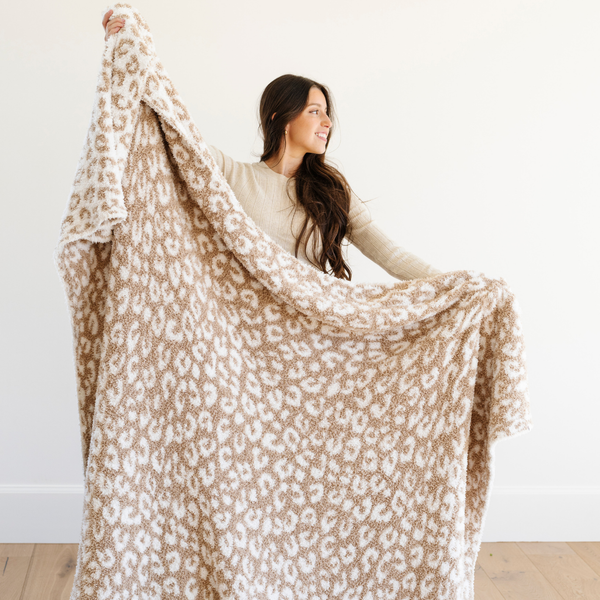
{"x":472,"y":124}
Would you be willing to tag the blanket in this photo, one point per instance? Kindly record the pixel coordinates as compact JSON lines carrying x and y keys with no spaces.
{"x":252,"y":428}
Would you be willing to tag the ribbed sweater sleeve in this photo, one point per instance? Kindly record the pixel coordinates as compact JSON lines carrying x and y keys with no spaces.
{"x":376,"y":245}
{"x":225,"y":162}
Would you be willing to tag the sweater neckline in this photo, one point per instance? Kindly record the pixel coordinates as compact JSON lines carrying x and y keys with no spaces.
{"x":268,"y":169}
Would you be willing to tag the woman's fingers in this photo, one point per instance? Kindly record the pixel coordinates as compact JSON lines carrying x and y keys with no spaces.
{"x":113,"y":27}
{"x":106,"y":18}
{"x":116,"y":23}
{"x":110,"y":24}
{"x":112,"y":31}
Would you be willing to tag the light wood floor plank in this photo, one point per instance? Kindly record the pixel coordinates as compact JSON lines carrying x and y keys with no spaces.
{"x":51,"y":573}
{"x":513,"y":574}
{"x":13,"y":572}
{"x":484,"y":587}
{"x":16,"y":549}
{"x":589,"y":551}
{"x":564,"y":569}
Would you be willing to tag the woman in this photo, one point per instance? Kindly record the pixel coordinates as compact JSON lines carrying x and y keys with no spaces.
{"x":311,"y":218}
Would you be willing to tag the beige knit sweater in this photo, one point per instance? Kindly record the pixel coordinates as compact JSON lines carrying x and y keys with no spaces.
{"x":262,"y":193}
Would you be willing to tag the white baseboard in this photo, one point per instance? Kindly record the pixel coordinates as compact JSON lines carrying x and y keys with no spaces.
{"x":543,"y":514}
{"x":51,"y":514}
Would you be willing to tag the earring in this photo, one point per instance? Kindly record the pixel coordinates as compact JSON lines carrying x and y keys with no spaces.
{"x":285,"y":132}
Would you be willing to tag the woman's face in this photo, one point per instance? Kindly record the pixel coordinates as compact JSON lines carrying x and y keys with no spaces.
{"x":309,"y":131}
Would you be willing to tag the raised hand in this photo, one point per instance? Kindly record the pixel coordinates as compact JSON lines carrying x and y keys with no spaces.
{"x":111,"y":26}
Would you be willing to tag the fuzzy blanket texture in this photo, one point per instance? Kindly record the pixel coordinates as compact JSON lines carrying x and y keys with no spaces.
{"x":252,"y":428}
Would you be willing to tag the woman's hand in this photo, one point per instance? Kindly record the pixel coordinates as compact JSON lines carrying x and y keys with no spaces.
{"x":112,"y":26}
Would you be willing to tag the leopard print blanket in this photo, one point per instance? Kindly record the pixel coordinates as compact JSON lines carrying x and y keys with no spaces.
{"x":253,"y":428}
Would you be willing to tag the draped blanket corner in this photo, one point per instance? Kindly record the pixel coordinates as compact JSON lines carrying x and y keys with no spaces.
{"x":252,"y":428}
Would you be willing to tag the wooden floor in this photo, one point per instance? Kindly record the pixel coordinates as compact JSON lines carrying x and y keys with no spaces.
{"x":505,"y":571}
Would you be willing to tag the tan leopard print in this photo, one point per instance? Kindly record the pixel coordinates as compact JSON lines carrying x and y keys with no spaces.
{"x":252,"y":428}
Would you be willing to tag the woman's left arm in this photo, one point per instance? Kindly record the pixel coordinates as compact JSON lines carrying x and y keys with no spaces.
{"x":376,"y":245}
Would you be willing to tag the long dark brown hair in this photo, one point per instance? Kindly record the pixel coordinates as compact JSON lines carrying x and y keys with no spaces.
{"x":321,"y":189}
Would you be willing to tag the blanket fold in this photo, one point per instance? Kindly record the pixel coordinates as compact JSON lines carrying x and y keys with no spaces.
{"x":250,"y":427}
